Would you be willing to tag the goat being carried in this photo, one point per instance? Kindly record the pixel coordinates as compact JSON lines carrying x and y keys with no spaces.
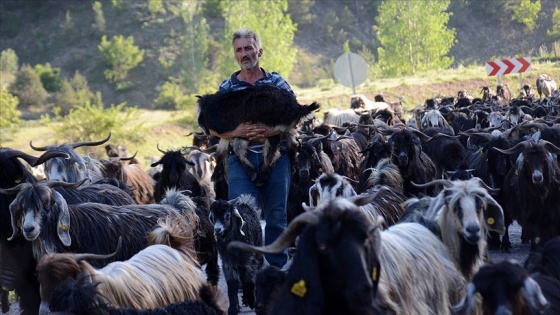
{"x":269,"y":105}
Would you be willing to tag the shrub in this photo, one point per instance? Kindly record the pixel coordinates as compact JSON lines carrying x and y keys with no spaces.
{"x":28,"y":87}
{"x":49,"y":77}
{"x":120,"y":56}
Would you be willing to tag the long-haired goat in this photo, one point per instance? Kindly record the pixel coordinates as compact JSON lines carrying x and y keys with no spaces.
{"x":237,"y":220}
{"x":506,"y":288}
{"x":164,"y":272}
{"x":345,"y":264}
{"x":80,"y":297}
{"x":465,"y":212}
{"x":545,"y":85}
{"x":266,"y":104}
{"x":46,"y":219}
{"x":532,"y":189}
{"x":71,"y":169}
{"x":386,"y":202}
{"x":141,"y":183}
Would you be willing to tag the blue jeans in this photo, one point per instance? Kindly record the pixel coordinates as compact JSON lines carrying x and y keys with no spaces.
{"x":272,"y":195}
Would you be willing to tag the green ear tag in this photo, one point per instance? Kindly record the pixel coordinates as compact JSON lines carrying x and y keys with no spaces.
{"x":490,"y":221}
{"x":63,"y":227}
{"x":299,"y":288}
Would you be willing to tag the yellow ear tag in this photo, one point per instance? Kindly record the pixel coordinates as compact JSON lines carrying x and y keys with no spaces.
{"x":374,"y":274}
{"x":481,"y":152}
{"x":18,"y":223}
{"x":64,"y":227}
{"x":299,"y":288}
{"x":320,"y":170}
{"x":490,"y":221}
{"x":18,"y":180}
{"x":516,"y":173}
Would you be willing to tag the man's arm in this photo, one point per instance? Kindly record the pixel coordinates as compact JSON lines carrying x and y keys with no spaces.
{"x":247,"y":131}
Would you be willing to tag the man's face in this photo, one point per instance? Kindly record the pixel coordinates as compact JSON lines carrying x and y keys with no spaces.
{"x":246,"y":53}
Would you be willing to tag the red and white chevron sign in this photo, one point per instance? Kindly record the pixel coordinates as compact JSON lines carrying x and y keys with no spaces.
{"x":508,"y":66}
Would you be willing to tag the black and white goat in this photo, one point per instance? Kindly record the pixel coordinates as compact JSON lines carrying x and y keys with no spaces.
{"x":269,"y":105}
{"x":345,"y":264}
{"x":238,"y":220}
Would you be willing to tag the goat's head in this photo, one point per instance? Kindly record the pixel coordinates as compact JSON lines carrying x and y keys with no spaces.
{"x":329,"y":186}
{"x":310,"y":159}
{"x":202,"y":164}
{"x":469,"y":207}
{"x":225,"y":215}
{"x":336,"y":252}
{"x":406,"y":144}
{"x":174,"y":166}
{"x":72,"y":168}
{"x":36,"y":203}
{"x":506,"y":288}
{"x":536,"y":161}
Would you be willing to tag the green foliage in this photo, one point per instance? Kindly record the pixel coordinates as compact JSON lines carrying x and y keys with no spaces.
{"x":9,"y":115}
{"x":9,"y":61}
{"x":214,"y":8}
{"x":554,"y":32}
{"x":10,"y":23}
{"x":414,"y":36}
{"x":346,"y":47}
{"x":49,"y":77}
{"x":91,"y":122}
{"x":66,"y":98}
{"x":274,"y":27}
{"x":527,"y":13}
{"x":195,"y":41}
{"x":28,"y":88}
{"x":155,"y":6}
{"x":99,"y":21}
{"x":68,"y":23}
{"x":118,"y":4}
{"x":171,"y":96}
{"x":120,"y":56}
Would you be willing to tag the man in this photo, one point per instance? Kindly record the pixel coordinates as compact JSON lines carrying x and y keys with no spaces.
{"x":272,"y":191}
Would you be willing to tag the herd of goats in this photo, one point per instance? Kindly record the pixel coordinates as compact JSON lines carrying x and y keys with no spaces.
{"x":386,"y":215}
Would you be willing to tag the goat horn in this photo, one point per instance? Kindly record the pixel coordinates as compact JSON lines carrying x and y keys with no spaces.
{"x":513,"y":149}
{"x":80,"y":257}
{"x":550,"y":147}
{"x":14,"y":190}
{"x":30,"y":159}
{"x":285,"y":239}
{"x":129,"y":158}
{"x":37,"y":148}
{"x":49,"y":155}
{"x":444,"y":182}
{"x":90,"y":143}
{"x":55,"y":183}
{"x":491,"y":190}
{"x":160,"y":150}
{"x":484,"y":135}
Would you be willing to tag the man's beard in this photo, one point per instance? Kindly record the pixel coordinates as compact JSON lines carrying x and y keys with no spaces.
{"x":250,"y":65}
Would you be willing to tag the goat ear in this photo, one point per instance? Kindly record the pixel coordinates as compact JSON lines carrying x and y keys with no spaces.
{"x":241,"y":221}
{"x":63,"y":219}
{"x":534,"y":296}
{"x":15,"y":215}
{"x":494,"y":215}
{"x":464,"y":307}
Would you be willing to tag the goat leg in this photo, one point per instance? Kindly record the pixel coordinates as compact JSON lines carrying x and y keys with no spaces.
{"x":233,"y":289}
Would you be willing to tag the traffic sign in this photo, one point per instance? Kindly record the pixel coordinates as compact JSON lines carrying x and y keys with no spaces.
{"x":508,"y":66}
{"x":350,"y":70}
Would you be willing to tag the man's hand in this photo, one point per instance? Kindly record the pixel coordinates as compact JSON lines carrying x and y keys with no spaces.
{"x":254,"y":131}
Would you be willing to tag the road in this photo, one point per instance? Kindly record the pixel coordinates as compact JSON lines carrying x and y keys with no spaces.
{"x":518,"y":252}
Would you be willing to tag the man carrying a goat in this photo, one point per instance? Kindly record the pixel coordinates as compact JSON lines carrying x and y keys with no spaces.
{"x":268,"y":183}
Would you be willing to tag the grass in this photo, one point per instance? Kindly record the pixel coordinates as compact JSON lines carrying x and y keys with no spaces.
{"x":169,"y":129}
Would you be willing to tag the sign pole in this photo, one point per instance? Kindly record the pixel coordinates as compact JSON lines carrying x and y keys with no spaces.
{"x":351,"y":75}
{"x":520,"y":80}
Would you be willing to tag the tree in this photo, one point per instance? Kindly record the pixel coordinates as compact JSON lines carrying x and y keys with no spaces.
{"x":66,"y":98}
{"x":275,"y":28}
{"x":120,"y":56}
{"x":49,"y":77}
{"x":554,"y":32}
{"x":527,"y":13}
{"x":9,"y":61}
{"x":413,"y":35}
{"x":99,"y":21}
{"x":28,"y":87}
{"x":9,"y":115}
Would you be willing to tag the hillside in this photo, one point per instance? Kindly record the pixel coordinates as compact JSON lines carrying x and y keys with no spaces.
{"x":41,"y":33}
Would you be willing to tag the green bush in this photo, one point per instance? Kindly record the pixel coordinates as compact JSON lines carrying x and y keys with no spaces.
{"x":8,"y":108}
{"x":9,"y":61}
{"x":50,"y":77}
{"x":28,"y":88}
{"x":120,"y":56}
{"x":171,"y":97}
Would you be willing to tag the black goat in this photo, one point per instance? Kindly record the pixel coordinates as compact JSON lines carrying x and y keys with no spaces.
{"x":269,"y":105}
{"x":532,"y":189}
{"x":414,"y":164}
{"x":80,"y":297}
{"x":444,"y":149}
{"x":269,"y":280}
{"x":506,"y":288}
{"x":237,"y":220}
{"x":175,"y":174}
{"x":335,"y":269}
{"x":17,"y":265}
